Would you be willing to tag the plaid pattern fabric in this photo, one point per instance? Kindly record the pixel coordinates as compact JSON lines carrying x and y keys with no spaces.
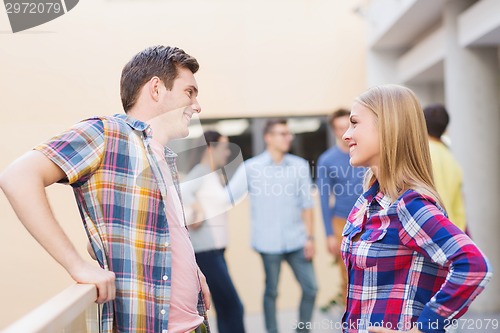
{"x":410,"y":266}
{"x":118,"y":188}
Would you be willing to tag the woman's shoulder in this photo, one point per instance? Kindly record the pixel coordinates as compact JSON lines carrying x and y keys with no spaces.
{"x":415,"y":203}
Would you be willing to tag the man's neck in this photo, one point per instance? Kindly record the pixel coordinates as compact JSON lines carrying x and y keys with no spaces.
{"x":159,"y":133}
{"x":343,"y":146}
{"x":276,"y":155}
{"x":432,"y":138}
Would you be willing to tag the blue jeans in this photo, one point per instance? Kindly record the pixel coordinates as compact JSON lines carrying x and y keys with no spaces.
{"x":304,"y":273}
{"x":226,"y":301}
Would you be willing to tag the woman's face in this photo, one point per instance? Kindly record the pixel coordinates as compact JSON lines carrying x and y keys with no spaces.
{"x":362,"y":137}
{"x":220,"y":151}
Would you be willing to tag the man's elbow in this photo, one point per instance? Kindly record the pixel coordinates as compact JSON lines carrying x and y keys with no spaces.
{"x":5,"y":179}
{"x":2,"y":181}
{"x":17,"y":176}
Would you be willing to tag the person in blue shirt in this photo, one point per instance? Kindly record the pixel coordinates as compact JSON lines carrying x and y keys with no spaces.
{"x":279,"y":186}
{"x":341,"y":184}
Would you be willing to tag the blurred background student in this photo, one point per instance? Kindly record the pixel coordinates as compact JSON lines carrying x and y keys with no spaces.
{"x":339,"y":186}
{"x":281,"y":210}
{"x":447,"y":173}
{"x":207,"y":201}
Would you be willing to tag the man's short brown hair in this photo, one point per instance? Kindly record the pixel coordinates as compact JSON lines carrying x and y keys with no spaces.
{"x":268,"y":127}
{"x":161,"y":61}
{"x":339,"y":113}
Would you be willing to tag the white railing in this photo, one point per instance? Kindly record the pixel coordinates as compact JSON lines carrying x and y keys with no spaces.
{"x":65,"y":312}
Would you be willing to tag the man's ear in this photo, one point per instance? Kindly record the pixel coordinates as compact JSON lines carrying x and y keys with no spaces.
{"x":266,"y":138}
{"x":154,"y":86}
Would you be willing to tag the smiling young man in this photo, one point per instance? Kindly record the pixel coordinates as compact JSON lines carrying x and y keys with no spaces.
{"x":127,"y":190}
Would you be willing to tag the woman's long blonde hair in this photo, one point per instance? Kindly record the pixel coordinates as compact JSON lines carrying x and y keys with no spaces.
{"x":405,"y":161}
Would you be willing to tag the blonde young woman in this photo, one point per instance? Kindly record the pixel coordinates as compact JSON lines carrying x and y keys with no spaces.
{"x":410,"y":268}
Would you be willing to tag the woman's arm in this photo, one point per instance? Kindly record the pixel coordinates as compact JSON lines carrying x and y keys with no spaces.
{"x":426,"y":230}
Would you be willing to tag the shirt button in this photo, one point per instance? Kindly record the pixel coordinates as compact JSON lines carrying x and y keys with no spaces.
{"x":165,"y":278}
{"x":163,"y":311}
{"x":166,"y":244}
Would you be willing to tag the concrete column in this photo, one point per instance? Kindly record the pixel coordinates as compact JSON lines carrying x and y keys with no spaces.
{"x":428,"y":92}
{"x":382,"y":67}
{"x":257,"y":135}
{"x":471,"y":88}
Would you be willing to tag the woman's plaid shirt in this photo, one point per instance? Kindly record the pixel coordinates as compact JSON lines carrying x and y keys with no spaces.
{"x":410,"y":266}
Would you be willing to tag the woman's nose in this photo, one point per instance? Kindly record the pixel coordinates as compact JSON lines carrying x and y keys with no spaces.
{"x":347,"y":135}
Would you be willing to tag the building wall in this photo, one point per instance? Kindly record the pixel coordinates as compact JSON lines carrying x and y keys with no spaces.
{"x":259,"y":57}
{"x":448,"y":52}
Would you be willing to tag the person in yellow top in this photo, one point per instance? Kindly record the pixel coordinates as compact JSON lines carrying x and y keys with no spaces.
{"x":447,"y":172}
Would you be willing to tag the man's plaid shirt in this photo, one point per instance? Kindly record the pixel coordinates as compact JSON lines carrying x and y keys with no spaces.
{"x":113,"y":172}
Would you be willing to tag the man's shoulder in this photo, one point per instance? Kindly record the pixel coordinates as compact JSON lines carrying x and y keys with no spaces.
{"x":108,"y":123}
{"x":295,"y":159}
{"x":103,"y":120}
{"x":440,"y":153}
{"x":328,"y":154}
{"x":257,"y":159}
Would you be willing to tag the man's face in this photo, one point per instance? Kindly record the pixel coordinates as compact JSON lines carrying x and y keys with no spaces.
{"x":179,"y":104}
{"x":340,"y":125}
{"x":279,"y":138}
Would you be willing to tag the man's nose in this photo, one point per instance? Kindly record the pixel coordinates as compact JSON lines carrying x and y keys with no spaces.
{"x":196,"y":107}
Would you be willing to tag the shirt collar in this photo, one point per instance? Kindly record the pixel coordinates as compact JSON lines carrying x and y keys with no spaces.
{"x":269,"y":160}
{"x":374,"y":194}
{"x":134,"y":123}
{"x":146,"y":129}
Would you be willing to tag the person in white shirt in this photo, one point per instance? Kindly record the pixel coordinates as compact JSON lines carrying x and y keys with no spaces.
{"x":207,"y":201}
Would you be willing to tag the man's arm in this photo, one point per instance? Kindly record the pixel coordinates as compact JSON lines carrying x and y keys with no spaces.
{"x":323,"y":182}
{"x":308,"y":217}
{"x":238,"y":185}
{"x":205,"y":291}
{"x":23,"y":183}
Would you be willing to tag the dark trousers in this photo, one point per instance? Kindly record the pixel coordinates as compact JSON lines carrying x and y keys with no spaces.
{"x":225,"y":298}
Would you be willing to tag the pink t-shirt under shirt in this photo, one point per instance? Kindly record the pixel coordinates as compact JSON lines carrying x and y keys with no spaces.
{"x":185,"y":284}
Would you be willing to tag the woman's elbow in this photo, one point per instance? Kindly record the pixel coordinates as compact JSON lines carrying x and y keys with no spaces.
{"x":487,"y":271}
